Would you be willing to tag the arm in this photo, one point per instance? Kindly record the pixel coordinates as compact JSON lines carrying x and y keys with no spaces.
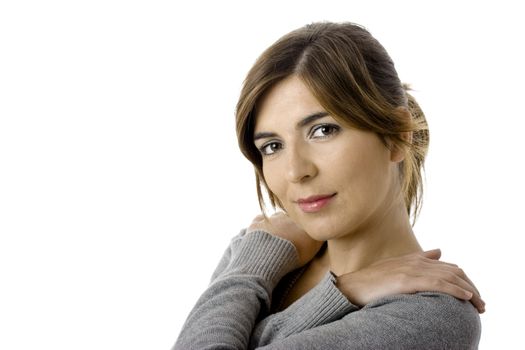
{"x":409,"y":321}
{"x":226,"y":313}
{"x":410,"y":273}
{"x":323,"y":319}
{"x":321,"y":305}
{"x":226,"y":257}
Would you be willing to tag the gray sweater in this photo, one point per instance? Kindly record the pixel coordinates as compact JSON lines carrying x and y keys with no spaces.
{"x":240,"y":309}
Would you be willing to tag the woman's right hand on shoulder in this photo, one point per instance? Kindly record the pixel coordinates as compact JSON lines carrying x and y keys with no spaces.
{"x":281,"y":225}
{"x":408,"y":274}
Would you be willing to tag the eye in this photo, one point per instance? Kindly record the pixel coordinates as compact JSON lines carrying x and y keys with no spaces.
{"x":270,"y":148}
{"x":324,"y":130}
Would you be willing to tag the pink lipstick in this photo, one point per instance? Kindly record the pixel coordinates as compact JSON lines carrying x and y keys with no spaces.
{"x":313,"y":204}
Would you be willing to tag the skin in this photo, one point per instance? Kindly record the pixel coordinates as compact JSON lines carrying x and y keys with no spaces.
{"x":370,"y":242}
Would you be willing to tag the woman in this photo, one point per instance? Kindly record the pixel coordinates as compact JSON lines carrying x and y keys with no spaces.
{"x":339,"y":145}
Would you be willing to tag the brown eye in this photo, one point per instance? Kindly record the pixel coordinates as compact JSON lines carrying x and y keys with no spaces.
{"x":270,"y":148}
{"x":324,"y":130}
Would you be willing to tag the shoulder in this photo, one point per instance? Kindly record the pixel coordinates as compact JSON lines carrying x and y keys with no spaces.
{"x":428,"y":318}
{"x":407,"y":321}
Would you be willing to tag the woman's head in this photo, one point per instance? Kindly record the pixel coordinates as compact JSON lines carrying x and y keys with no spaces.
{"x":354,"y":80}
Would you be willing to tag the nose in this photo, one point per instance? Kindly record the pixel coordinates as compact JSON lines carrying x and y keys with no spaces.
{"x":300,"y":165}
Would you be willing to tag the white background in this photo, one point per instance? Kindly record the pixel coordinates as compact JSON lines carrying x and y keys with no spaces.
{"x":120,"y":178}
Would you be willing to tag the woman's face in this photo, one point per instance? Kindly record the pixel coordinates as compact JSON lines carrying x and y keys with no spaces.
{"x":332,"y":180}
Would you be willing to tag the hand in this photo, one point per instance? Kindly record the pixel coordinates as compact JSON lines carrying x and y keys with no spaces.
{"x":411,"y":273}
{"x":280,"y":225}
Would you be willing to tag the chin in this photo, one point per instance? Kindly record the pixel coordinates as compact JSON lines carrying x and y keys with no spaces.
{"x":322,"y":233}
{"x":321,"y":226}
{"x":319,"y":237}
{"x":326,"y":228}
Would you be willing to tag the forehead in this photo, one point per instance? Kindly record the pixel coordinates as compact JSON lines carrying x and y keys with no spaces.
{"x":287,"y":102}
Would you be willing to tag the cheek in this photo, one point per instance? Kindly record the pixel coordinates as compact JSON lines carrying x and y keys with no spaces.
{"x":362,"y":175}
{"x":373,"y":181}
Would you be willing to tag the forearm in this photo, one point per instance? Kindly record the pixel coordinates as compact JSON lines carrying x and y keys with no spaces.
{"x":321,"y":305}
{"x":225,"y":314}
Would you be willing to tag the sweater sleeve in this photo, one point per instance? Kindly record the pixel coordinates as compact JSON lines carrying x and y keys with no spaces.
{"x":225,"y":314}
{"x":321,"y":305}
{"x":409,"y":321}
{"x":226,"y":257}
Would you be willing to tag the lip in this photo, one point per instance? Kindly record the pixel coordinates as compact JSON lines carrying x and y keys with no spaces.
{"x":315,"y":203}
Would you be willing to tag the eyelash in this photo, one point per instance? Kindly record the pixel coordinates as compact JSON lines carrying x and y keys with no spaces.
{"x":334,"y":129}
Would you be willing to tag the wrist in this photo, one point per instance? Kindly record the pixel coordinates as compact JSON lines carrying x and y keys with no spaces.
{"x":348,"y":285}
{"x":263,"y":255}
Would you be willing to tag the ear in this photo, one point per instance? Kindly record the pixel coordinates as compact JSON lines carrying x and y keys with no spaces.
{"x":397,"y":153}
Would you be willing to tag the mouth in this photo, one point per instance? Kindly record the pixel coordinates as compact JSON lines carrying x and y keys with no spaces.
{"x":315,"y":203}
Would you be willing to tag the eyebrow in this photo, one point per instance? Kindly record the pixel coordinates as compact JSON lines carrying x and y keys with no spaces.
{"x":302,"y":123}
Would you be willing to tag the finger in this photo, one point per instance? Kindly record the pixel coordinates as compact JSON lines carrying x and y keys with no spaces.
{"x":443,"y":286}
{"x":453,"y":275}
{"x":439,"y":262}
{"x":478,"y":303}
{"x":457,"y":278}
{"x":455,"y":281}
{"x":465,"y":277}
{"x":433,"y":254}
{"x":476,"y":298}
{"x":258,"y":218}
{"x":456,"y":271}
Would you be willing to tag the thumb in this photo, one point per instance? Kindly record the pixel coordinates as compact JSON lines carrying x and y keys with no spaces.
{"x":434,"y":254}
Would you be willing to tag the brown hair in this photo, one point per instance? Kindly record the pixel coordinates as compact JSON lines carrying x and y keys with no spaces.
{"x":354,"y":79}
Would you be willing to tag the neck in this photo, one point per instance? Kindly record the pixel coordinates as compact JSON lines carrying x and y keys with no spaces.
{"x":382,"y":237}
